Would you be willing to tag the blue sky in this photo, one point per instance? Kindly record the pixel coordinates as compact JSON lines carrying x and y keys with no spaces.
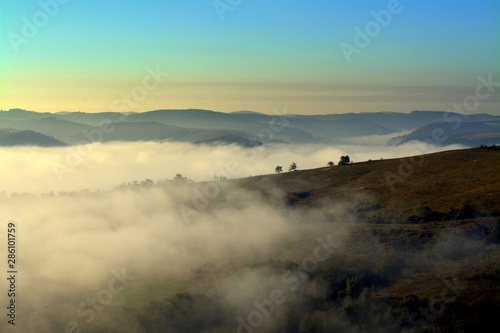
{"x":262,"y":55}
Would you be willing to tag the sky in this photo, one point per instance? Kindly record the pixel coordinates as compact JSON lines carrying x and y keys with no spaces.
{"x":310,"y":57}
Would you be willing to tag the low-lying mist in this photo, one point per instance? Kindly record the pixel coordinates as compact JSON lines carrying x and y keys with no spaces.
{"x":78,"y":252}
{"x":99,"y":166}
{"x":182,"y":257}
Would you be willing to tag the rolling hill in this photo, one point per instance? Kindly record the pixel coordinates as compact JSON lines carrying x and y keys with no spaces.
{"x":400,"y":245}
{"x":252,"y":128}
{"x":393,"y":190}
{"x":469,"y":134}
{"x":419,"y":255}
{"x":9,"y":138}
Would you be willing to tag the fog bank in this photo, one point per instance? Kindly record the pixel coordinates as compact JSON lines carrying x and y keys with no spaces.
{"x":103,"y":166}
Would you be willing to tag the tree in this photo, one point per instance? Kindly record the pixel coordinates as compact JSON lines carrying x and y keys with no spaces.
{"x":278,"y":169}
{"x":220,"y":177}
{"x":330,"y":163}
{"x":293,"y":167}
{"x":344,"y":160}
{"x":147,"y":183}
{"x":180,"y":179}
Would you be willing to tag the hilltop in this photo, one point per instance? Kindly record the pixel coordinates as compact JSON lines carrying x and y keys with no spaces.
{"x":396,"y":189}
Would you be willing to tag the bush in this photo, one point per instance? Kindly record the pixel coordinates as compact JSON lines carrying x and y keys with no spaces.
{"x":411,"y":303}
{"x":466,"y":211}
{"x":312,"y":323}
{"x":344,"y":160}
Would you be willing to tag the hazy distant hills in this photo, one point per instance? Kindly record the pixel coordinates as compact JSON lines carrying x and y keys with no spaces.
{"x":469,"y":134}
{"x":245,"y":128}
{"x":10,"y":137}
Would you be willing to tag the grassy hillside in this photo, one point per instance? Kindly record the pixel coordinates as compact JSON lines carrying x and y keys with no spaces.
{"x":393,"y":190}
{"x":418,"y":255}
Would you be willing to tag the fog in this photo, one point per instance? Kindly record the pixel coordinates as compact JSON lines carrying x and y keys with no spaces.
{"x":100,"y":166}
{"x":124,"y":248}
{"x":70,"y":247}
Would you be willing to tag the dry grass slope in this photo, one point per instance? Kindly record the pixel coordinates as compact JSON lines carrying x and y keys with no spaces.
{"x":395,"y":188}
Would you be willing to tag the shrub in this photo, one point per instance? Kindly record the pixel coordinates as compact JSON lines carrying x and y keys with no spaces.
{"x":344,"y":160}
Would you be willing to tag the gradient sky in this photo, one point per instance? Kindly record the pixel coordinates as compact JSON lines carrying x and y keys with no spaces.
{"x":263,"y":55}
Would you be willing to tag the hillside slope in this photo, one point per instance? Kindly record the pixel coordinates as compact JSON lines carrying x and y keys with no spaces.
{"x":417,"y":255}
{"x":396,"y":189}
{"x":339,"y":245}
{"x":10,"y":138}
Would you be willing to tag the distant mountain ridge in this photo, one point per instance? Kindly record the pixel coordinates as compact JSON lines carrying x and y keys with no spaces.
{"x":11,"y":138}
{"x":469,"y":133}
{"x":248,"y":128}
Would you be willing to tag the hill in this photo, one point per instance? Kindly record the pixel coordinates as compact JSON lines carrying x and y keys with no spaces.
{"x":396,"y":189}
{"x":402,"y":245}
{"x":250,"y":129}
{"x":10,"y":137}
{"x":418,"y":255}
{"x":469,"y":134}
